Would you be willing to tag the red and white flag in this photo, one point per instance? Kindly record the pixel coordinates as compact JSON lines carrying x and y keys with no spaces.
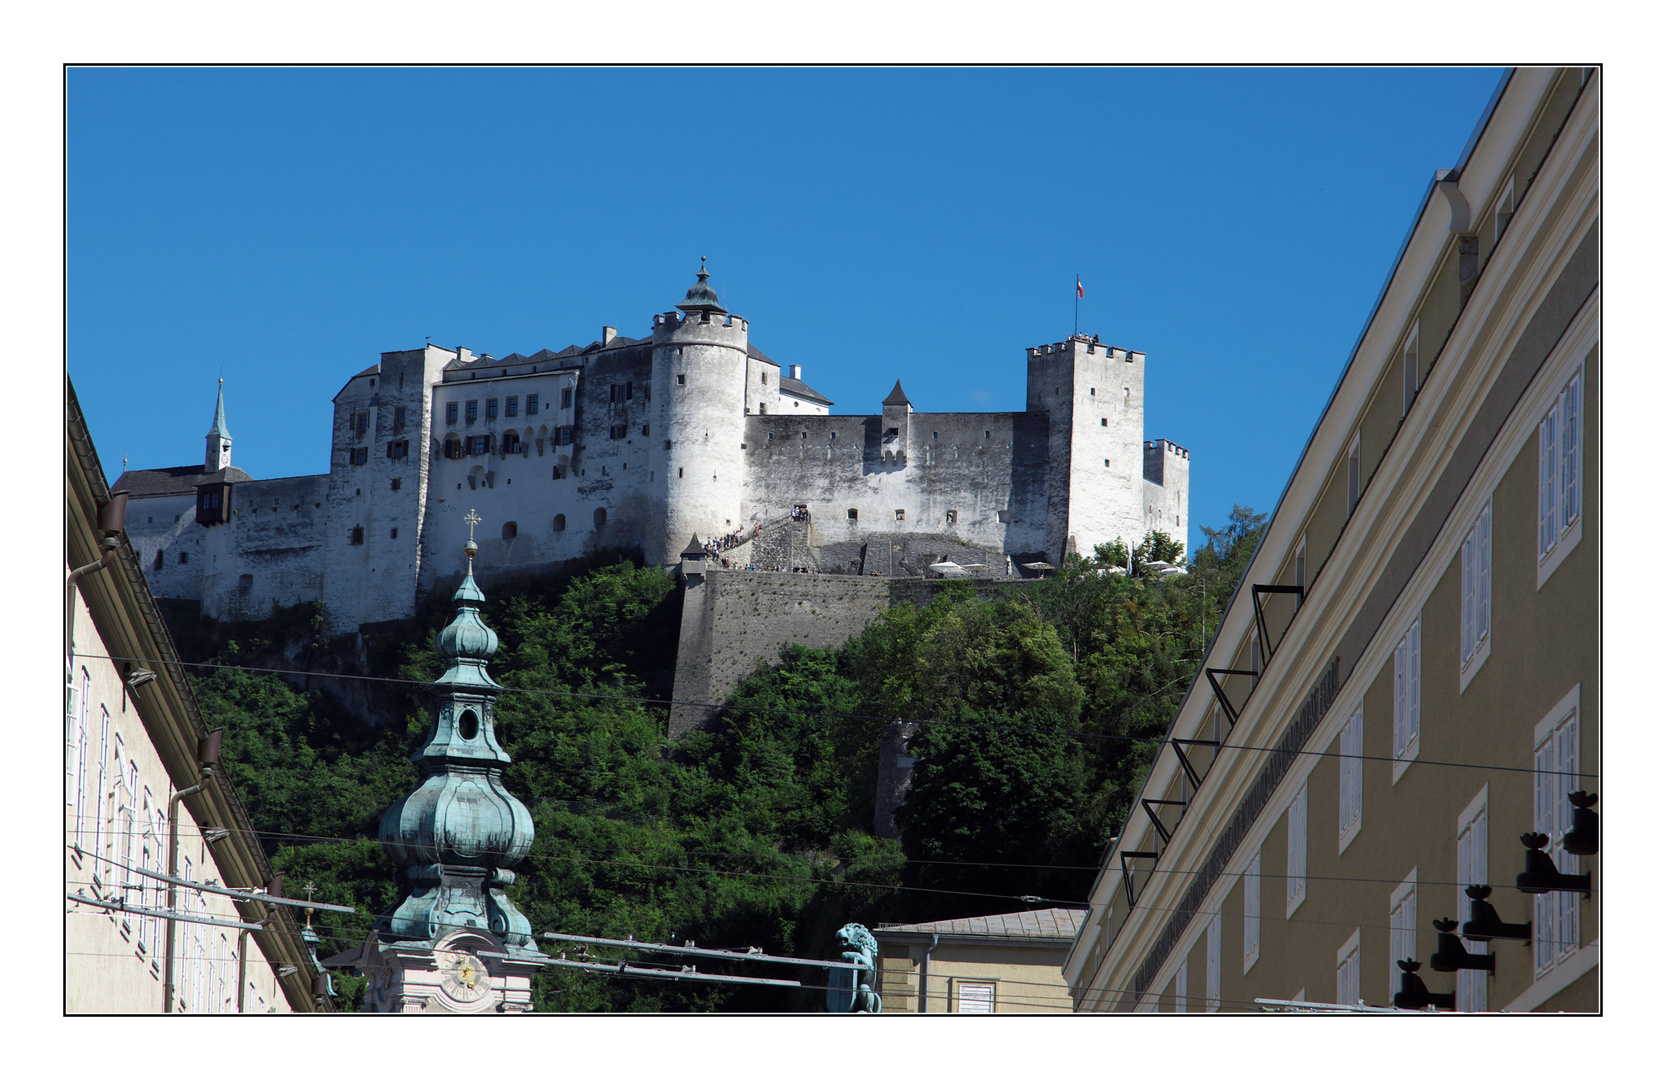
{"x":1079,"y":292}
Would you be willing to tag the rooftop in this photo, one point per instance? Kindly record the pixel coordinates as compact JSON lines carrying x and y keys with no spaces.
{"x":1047,"y":924}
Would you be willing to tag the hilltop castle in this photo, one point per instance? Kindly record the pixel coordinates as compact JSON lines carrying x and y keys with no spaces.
{"x":643,"y":443}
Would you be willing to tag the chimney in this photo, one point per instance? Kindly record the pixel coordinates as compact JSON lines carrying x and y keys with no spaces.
{"x":796,"y":371}
{"x":608,"y":334}
{"x":464,"y":355}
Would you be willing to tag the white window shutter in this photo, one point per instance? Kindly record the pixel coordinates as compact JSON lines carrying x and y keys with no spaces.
{"x":1400,"y":737}
{"x":1296,"y":864}
{"x":1466,"y":637}
{"x":1547,"y":482}
{"x":1570,"y":453}
{"x":1414,"y":697}
{"x":1483,"y":573}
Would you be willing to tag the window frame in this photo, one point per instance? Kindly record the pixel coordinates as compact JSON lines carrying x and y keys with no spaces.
{"x":491,"y":409}
{"x":1295,"y":866}
{"x":1402,"y":928}
{"x":1351,"y":778}
{"x":1472,"y":870}
{"x":471,"y":411}
{"x":451,"y":412}
{"x":532,"y":404}
{"x":960,"y":984}
{"x":1252,"y":912}
{"x":1408,"y":696}
{"x":1475,"y":596}
{"x":1561,"y":471}
{"x":512,"y":405}
{"x":1556,"y":743}
{"x":1347,"y":971}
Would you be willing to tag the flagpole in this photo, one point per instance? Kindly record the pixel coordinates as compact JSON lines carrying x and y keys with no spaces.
{"x":1076,"y":327}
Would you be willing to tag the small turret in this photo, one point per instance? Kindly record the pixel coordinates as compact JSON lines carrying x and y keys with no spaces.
{"x":701,"y":296}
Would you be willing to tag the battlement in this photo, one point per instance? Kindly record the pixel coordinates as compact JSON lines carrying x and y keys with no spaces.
{"x":1088,"y":345}
{"x":670,"y":320}
{"x":1163,"y":445}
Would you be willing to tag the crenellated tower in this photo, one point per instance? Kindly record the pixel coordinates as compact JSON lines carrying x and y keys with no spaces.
{"x":453,"y":840}
{"x":699,"y":384}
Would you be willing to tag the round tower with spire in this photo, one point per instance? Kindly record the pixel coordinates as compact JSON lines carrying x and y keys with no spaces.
{"x":453,"y":840}
{"x":700,"y":393}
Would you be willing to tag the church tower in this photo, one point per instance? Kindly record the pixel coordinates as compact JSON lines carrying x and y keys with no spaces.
{"x":453,"y":840}
{"x":219,"y":439}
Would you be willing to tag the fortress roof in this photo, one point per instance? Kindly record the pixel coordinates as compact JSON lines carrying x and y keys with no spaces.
{"x":790,"y":385}
{"x":178,"y":480}
{"x":896,"y":396}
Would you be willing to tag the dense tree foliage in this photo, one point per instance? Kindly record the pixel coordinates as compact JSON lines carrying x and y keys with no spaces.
{"x":1030,"y":713}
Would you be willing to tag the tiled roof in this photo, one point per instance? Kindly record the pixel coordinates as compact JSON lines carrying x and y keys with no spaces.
{"x":790,"y":385}
{"x":757,"y":354}
{"x":178,"y":480}
{"x":1054,"y":923}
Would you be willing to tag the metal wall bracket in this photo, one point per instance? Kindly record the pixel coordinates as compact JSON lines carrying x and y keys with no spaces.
{"x":1155,"y":819}
{"x":1256,"y":593}
{"x":1127,"y":879}
{"x":1220,"y":692}
{"x":1185,"y":762}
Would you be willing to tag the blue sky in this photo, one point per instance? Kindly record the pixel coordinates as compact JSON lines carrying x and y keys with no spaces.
{"x":283,"y":227}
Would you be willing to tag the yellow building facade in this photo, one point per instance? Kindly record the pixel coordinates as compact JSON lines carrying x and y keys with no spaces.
{"x":989,"y":964}
{"x":1408,"y":678}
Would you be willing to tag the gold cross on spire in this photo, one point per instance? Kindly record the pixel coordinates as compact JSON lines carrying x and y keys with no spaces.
{"x":473,"y":519}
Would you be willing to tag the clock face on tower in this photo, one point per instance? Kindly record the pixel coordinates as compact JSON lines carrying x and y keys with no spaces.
{"x":463,"y":977}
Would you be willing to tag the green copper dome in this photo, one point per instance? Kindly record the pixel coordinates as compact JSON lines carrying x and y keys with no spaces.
{"x":701,"y":296}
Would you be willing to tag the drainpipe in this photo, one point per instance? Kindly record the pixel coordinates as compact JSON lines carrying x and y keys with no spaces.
{"x":925,"y":974}
{"x":173,"y":871}
{"x":242,"y":961}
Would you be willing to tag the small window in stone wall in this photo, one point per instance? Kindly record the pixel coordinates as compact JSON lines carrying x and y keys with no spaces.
{"x":1003,"y":516}
{"x":512,"y":406}
{"x":245,"y":582}
{"x":1103,"y":422}
{"x":357,"y":535}
{"x":451,"y":412}
{"x":532,"y":404}
{"x":396,"y":483}
{"x":953,"y":516}
{"x":510,"y":530}
{"x":899,"y":515}
{"x":566,"y":397}
{"x":184,"y":557}
{"x":398,"y":417}
{"x":681,"y":379}
{"x":393,"y":534}
{"x":491,"y":408}
{"x":561,"y":523}
{"x":158,"y":558}
{"x":471,"y":411}
{"x":600,"y":516}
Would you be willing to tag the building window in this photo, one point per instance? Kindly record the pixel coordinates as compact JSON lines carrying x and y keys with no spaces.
{"x":681,"y":379}
{"x":361,"y":422}
{"x":600,"y":516}
{"x":511,"y":530}
{"x":1212,"y":966}
{"x":899,"y":515}
{"x":1003,"y":516}
{"x":1351,"y":798}
{"x":1559,"y":453}
{"x":395,"y":484}
{"x":399,"y":418}
{"x":532,"y":404}
{"x":1347,"y":971}
{"x":679,"y":474}
{"x":1555,"y":774}
{"x":1410,"y":371}
{"x":566,"y":397}
{"x":1353,"y":475}
{"x":1503,"y":211}
{"x":399,"y":448}
{"x":1180,"y":987}
{"x":491,"y":408}
{"x":561,"y":523}
{"x":184,"y":557}
{"x":451,"y":412}
{"x":1408,"y":666}
{"x":471,"y":411}
{"x":453,"y":447}
{"x":953,"y":516}
{"x":480,"y":444}
{"x":974,"y":997}
{"x":393,"y":534}
{"x":1472,"y":870}
{"x":555,"y":472}
{"x":511,"y":442}
{"x":512,"y":406}
{"x":1252,"y":913}
{"x":245,"y":583}
{"x":158,"y":558}
{"x":567,"y":435}
{"x":1402,"y":928}
{"x":1295,"y":867}
{"x":1475,"y":637}
{"x":617,"y":431}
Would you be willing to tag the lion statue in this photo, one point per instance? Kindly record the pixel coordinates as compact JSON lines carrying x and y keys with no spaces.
{"x":850,"y":990}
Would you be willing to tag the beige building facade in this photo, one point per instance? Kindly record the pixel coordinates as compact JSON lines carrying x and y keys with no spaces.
{"x":989,"y":964}
{"x":1421,"y":685}
{"x":133,"y":742}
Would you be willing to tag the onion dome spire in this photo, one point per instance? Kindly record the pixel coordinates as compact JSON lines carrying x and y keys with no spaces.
{"x":455,"y":836}
{"x":701,"y":296}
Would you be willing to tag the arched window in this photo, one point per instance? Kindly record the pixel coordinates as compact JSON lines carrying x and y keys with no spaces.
{"x":561,"y":523}
{"x":601,"y":516}
{"x":511,"y":443}
{"x":453,"y":447}
{"x":510,"y":530}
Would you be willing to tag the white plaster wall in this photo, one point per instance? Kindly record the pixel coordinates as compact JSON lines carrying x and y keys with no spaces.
{"x":704,"y":467}
{"x":168,"y":523}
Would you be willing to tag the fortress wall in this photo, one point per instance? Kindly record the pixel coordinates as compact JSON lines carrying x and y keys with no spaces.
{"x":275,"y":537}
{"x":168,"y":524}
{"x":976,"y":465}
{"x":734,"y":618}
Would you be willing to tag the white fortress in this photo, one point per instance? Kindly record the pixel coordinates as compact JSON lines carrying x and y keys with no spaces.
{"x":641,"y":444}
